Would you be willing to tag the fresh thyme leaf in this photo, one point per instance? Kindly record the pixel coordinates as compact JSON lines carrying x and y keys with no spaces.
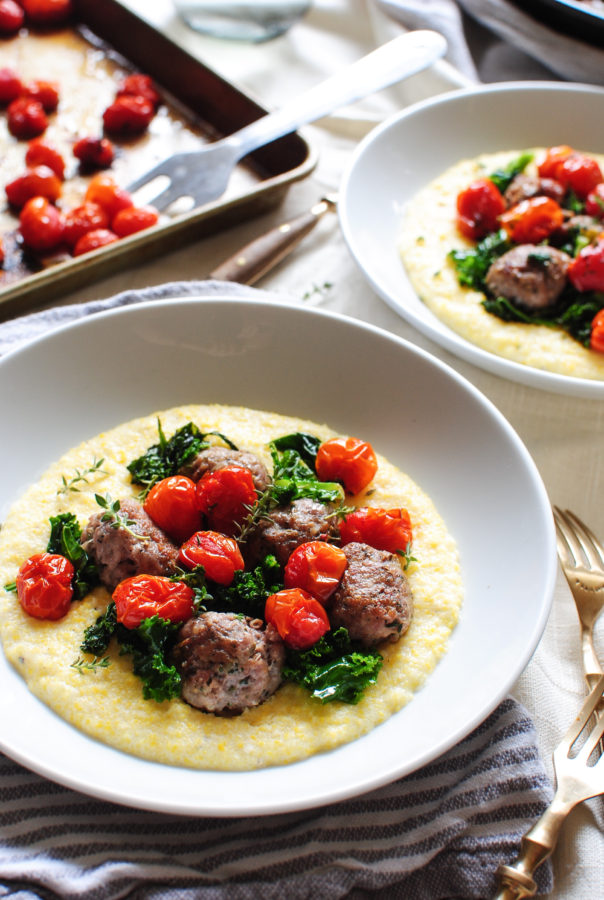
{"x":196,"y":580}
{"x":81,"y":476}
{"x":90,"y":665}
{"x":502,"y":178}
{"x":64,"y":539}
{"x":11,"y":586}
{"x":406,"y":556}
{"x":117,"y":518}
{"x":334,"y":669}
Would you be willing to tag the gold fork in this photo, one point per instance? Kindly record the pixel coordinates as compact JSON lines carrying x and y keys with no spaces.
{"x":582,"y":560}
{"x":578,"y":778}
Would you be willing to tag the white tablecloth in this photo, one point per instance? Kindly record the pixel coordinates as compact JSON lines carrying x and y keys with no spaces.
{"x":563,"y":434}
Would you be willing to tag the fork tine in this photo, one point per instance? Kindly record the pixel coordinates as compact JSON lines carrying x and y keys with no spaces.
{"x":588,"y":709}
{"x":568,"y":548}
{"x":592,"y":742}
{"x":589,"y":543}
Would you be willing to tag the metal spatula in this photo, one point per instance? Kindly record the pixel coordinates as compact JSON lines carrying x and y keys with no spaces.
{"x":204,"y":174}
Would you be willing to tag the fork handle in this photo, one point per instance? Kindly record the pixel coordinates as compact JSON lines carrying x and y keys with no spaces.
{"x":517,"y":880}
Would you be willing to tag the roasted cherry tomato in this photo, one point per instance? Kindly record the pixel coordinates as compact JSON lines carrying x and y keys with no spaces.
{"x":532,"y":220}
{"x":44,"y":585}
{"x":594,"y":205}
{"x":26,"y":118}
{"x":1,"y":252}
{"x":38,"y":182}
{"x":224,"y":497}
{"x":94,"y":240}
{"x":94,"y":153}
{"x":104,"y":191}
{"x":172,"y":504}
{"x":11,"y":17}
{"x":45,"y":92}
{"x":478,"y":209}
{"x":128,"y":115}
{"x":10,"y":85}
{"x":348,"y":460}
{"x":218,"y":554}
{"x":41,"y":225}
{"x":596,"y":341}
{"x":47,"y":12}
{"x":135,"y":218}
{"x":139,"y":86}
{"x":298,"y":617}
{"x":579,"y":174}
{"x":144,"y":596}
{"x":384,"y":529}
{"x":40,"y":153}
{"x":316,"y":567}
{"x":82,"y":219}
{"x":553,"y":159}
{"x":586,"y":271}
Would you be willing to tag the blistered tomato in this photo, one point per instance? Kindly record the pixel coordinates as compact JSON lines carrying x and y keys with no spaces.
{"x":41,"y":153}
{"x":532,"y":220}
{"x":596,"y":341}
{"x":10,"y":85}
{"x":586,"y":271}
{"x":348,"y":460}
{"x":172,"y":504}
{"x":26,"y":118}
{"x":139,"y":86}
{"x":37,"y":182}
{"x":384,"y":529}
{"x":298,"y":617}
{"x":104,"y":191}
{"x":11,"y":17}
{"x":478,"y":209}
{"x":316,"y":567}
{"x":135,"y":218}
{"x":45,"y":92}
{"x":579,"y":174}
{"x":144,"y":596}
{"x":41,"y":225}
{"x":128,"y":115}
{"x":225,"y":497}
{"x":218,"y":554}
{"x":554,"y":157}
{"x":94,"y":240}
{"x":94,"y":153}
{"x":594,"y":205}
{"x":82,"y":219}
{"x":44,"y":585}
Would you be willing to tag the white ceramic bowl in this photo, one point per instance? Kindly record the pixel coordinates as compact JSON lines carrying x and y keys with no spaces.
{"x":115,"y":366}
{"x":410,"y":149}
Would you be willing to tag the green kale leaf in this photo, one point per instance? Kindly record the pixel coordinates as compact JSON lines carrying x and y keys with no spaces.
{"x":64,"y":539}
{"x":150,"y":645}
{"x":472,"y":265}
{"x":97,"y":636}
{"x":293,"y":479}
{"x":333,"y":669}
{"x":248,"y":591}
{"x":305,"y":445}
{"x":502,"y":178}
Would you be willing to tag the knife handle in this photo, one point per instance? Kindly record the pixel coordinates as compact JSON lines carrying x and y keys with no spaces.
{"x":262,"y":254}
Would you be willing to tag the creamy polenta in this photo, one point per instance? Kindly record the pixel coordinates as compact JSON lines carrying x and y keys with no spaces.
{"x":427,"y":235}
{"x":107,"y":703}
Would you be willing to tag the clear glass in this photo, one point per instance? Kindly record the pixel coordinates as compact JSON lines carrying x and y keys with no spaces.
{"x":242,"y":20}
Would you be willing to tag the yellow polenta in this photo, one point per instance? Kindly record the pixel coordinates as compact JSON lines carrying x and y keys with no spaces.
{"x":107,"y":703}
{"x":427,"y":235}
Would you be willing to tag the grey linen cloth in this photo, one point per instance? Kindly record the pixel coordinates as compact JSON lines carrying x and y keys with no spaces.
{"x":496,"y":40}
{"x":438,"y":833}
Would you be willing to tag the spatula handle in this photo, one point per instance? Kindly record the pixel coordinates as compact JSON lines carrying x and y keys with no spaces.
{"x":404,"y":56}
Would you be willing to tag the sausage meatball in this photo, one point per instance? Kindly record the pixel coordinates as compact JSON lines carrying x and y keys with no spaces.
{"x":228,"y":663}
{"x":214,"y":458}
{"x":531,"y":276}
{"x":522,"y":187}
{"x":140,"y":549}
{"x":373,"y":600}
{"x":286,"y":528}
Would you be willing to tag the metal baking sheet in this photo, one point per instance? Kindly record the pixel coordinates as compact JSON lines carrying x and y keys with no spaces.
{"x":88,"y":60}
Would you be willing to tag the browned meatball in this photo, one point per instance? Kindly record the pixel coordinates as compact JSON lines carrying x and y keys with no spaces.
{"x":522,"y":187}
{"x":228,"y":663}
{"x":139,"y":549}
{"x":532,"y":276}
{"x":214,"y":458}
{"x":373,"y":600}
{"x":286,"y":528}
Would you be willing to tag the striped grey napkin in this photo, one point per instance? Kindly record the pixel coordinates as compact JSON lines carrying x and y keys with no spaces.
{"x":438,"y":833}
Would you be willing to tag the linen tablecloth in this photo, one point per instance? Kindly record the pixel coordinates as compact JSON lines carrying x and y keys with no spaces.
{"x":563,"y":434}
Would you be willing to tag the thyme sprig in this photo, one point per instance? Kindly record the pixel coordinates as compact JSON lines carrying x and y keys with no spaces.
{"x":116,"y":518}
{"x":82,"y":665}
{"x":70,"y":485}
